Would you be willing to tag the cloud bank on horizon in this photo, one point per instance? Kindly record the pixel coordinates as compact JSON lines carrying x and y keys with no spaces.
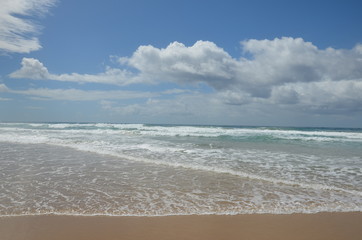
{"x":283,"y":71}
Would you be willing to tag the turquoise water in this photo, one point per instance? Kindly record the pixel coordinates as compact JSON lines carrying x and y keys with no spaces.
{"x":137,"y":169}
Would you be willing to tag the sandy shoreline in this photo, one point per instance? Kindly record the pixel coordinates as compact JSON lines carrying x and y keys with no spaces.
{"x":256,"y":226}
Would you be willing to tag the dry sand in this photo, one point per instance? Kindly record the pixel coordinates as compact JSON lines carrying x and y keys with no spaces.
{"x":292,"y":227}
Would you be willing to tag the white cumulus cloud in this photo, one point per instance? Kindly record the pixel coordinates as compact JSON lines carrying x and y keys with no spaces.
{"x":202,"y":62}
{"x":322,"y":97}
{"x":271,"y":63}
{"x":32,"y":68}
{"x":18,"y":34}
{"x":282,"y":71}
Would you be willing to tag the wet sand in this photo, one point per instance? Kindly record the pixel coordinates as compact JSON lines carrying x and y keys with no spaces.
{"x":259,"y":226}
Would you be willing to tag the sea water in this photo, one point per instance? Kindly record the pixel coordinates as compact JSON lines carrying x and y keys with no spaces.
{"x":156,"y":170}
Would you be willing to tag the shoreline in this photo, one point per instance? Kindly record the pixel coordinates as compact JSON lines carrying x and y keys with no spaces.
{"x":325,"y":225}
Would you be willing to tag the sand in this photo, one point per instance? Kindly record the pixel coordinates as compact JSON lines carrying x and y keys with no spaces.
{"x":259,"y":226}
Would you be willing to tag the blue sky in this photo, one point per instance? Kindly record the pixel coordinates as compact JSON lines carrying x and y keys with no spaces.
{"x":295,"y":63}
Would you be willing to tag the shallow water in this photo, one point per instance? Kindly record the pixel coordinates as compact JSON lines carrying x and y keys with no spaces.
{"x":135,"y":169}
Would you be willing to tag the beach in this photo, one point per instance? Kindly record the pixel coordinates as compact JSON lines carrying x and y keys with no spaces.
{"x":199,"y":120}
{"x":122,"y":181}
{"x":250,"y":226}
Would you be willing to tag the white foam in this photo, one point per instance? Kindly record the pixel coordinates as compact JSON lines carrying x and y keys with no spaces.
{"x":247,"y":175}
{"x":284,"y":173}
{"x":81,"y":140}
{"x":192,"y":131}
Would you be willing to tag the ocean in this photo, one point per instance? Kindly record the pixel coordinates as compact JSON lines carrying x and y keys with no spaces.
{"x":159,"y":170}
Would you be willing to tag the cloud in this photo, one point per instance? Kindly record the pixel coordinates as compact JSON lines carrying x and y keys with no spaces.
{"x":18,"y":34}
{"x":282,"y":71}
{"x":32,"y":68}
{"x":182,"y":108}
{"x":272,"y":62}
{"x":81,"y":95}
{"x":202,"y":62}
{"x":3,"y":88}
{"x":321,"y":97}
{"x":286,"y":60}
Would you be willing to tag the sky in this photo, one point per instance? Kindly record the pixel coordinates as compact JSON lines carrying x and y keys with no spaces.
{"x":229,"y":62}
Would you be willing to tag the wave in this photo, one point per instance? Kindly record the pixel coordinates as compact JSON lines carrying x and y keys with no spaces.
{"x":250,"y":176}
{"x":280,"y":178}
{"x":221,"y":132}
{"x":200,"y":213}
{"x":109,"y":149}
